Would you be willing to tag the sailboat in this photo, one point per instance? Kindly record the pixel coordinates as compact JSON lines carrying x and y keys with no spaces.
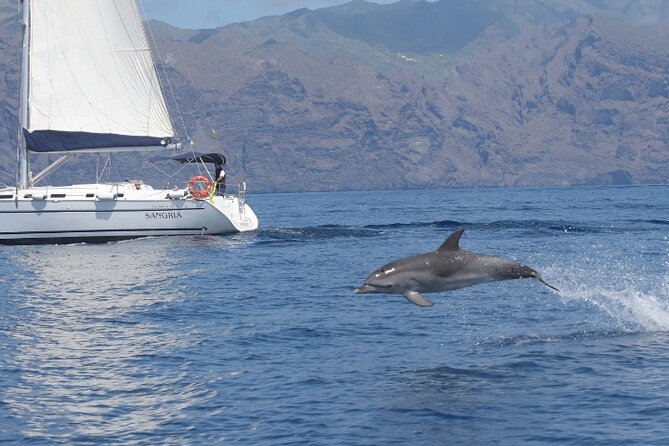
{"x":89,"y":85}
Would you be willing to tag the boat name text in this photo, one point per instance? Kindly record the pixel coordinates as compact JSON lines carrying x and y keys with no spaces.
{"x":162,"y":215}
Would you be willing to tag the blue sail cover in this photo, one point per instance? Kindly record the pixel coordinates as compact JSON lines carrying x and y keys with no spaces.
{"x":193,"y":157}
{"x":59,"y":141}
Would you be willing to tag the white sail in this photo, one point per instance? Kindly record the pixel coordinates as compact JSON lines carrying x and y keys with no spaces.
{"x":92,"y":80}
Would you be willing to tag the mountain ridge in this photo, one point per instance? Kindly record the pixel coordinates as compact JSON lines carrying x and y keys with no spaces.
{"x":530,"y":95}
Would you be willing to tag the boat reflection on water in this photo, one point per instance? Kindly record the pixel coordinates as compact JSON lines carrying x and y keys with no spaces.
{"x":96,"y":320}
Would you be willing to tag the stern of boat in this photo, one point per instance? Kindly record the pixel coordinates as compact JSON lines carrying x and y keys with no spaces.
{"x":235,"y":209}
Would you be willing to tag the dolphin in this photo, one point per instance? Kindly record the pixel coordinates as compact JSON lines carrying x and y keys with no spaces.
{"x":448,"y":268}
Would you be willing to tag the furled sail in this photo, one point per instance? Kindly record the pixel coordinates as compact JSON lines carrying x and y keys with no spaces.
{"x":93,"y":85}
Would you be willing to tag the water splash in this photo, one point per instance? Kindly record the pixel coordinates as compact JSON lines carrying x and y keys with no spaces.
{"x":634,"y":299}
{"x":650,"y":310}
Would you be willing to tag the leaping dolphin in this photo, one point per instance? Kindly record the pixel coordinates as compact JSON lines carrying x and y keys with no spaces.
{"x":448,"y":268}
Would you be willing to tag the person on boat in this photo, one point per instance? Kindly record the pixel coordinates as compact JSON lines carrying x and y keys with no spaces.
{"x":219,"y":178}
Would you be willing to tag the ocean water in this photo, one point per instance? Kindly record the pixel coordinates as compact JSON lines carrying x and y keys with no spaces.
{"x":257,"y":338}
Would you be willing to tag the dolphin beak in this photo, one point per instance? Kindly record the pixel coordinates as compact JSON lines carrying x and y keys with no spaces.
{"x":363,"y":289}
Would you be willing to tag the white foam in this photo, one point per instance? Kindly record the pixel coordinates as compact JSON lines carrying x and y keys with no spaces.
{"x":625,"y":305}
{"x":627,"y":296}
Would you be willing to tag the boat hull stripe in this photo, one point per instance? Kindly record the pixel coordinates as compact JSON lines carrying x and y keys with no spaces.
{"x":93,"y":231}
{"x":99,"y":211}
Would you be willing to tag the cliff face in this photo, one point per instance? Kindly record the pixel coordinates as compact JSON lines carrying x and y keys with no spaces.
{"x":418,"y":94}
{"x":581,"y":103}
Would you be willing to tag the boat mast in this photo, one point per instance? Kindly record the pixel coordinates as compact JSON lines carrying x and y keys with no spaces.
{"x":23,"y":168}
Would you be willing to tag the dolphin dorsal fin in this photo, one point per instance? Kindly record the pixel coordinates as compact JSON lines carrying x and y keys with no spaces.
{"x":452,"y":243}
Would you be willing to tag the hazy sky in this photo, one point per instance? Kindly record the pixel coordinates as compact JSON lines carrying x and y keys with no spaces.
{"x":215,"y":13}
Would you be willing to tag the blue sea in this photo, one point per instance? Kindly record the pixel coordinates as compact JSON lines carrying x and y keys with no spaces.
{"x":257,"y":339}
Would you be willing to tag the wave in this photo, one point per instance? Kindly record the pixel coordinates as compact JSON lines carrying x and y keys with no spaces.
{"x":307,"y":234}
{"x":530,"y":340}
{"x":554,"y":226}
{"x":541,"y":225}
{"x":444,"y":372}
{"x":653,"y":221}
{"x":373,"y":230}
{"x":434,"y":224}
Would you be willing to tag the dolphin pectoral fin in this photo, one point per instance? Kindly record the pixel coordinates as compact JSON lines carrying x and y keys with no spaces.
{"x":417,"y":299}
{"x":547,"y":284}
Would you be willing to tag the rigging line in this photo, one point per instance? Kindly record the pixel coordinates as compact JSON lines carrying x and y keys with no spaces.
{"x":147,"y":24}
{"x":106,"y":169}
{"x":200,"y":166}
{"x":171,"y":90}
{"x":186,"y":71}
{"x":2,"y":172}
{"x":166,"y":174}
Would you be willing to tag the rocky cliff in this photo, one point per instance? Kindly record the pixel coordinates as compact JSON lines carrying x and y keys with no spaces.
{"x":416,"y":94}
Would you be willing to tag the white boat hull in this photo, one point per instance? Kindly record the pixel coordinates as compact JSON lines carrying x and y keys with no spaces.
{"x":102,"y":212}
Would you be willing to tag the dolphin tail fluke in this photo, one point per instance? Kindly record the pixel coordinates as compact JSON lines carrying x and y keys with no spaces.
{"x":417,"y":299}
{"x":547,"y":284}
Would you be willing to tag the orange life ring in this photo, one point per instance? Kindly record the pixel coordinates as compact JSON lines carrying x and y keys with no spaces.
{"x":199,"y":187}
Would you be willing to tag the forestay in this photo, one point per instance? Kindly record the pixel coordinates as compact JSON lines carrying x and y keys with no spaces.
{"x":92,"y":80}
